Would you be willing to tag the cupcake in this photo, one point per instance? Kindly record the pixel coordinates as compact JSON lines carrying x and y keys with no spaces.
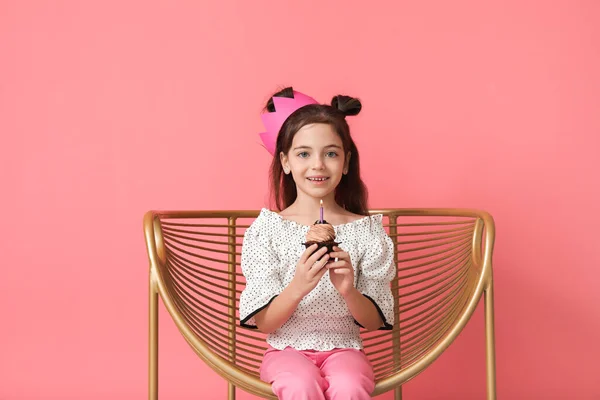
{"x":321,"y":233}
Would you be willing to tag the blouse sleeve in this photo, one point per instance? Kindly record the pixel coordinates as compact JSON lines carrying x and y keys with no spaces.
{"x":259,"y":263}
{"x":376,"y":270}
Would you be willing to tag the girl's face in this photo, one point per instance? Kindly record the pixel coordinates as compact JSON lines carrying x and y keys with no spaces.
{"x":316,"y":160}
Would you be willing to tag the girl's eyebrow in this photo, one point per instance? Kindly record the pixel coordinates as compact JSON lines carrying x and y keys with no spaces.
{"x":310,"y":148}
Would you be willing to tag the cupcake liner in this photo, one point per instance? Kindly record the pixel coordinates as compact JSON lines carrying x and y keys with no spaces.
{"x":328,"y":244}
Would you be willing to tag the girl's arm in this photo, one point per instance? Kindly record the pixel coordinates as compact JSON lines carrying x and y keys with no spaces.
{"x":308,"y":273}
{"x":363,"y":310}
{"x":363,"y":307}
{"x":278,"y":311}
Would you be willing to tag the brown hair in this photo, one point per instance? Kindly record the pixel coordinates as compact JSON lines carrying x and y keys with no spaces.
{"x":351,"y":193}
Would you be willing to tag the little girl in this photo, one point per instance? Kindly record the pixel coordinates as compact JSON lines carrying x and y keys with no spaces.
{"x":312,"y":304}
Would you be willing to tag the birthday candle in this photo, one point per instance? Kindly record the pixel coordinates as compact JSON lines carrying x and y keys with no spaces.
{"x":321,"y":211}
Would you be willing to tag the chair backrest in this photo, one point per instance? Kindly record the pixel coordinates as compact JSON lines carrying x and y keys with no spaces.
{"x":444,"y":265}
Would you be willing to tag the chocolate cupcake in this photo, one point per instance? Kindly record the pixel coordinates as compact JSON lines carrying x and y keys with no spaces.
{"x":322,"y":234}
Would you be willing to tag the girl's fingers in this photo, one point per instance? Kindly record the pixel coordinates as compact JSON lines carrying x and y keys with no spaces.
{"x":338,"y":264}
{"x":341,"y":271}
{"x":319,"y":263}
{"x":320,"y":274}
{"x":308,"y":252}
{"x":339,"y":253}
{"x":316,"y":256}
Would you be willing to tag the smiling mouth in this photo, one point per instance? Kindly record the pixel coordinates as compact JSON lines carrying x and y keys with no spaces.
{"x":317,"y":179}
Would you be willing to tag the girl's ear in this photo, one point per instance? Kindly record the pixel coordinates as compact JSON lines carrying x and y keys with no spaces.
{"x":347,"y":163}
{"x":284,"y":163}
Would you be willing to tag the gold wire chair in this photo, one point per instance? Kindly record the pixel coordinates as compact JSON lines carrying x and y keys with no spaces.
{"x":444,"y":259}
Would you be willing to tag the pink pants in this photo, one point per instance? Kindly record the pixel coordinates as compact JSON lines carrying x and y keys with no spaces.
{"x":339,"y":374}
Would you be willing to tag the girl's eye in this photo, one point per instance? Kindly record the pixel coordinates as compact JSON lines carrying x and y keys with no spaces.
{"x":331,"y":154}
{"x":303,"y":154}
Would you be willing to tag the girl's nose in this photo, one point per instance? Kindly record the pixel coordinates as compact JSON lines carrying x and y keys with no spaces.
{"x":318,"y":164}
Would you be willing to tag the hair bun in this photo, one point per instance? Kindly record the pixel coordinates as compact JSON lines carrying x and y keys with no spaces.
{"x":285,"y":92}
{"x":346,"y":104}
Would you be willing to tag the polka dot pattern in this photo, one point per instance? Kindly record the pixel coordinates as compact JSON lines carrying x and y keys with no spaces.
{"x":271,"y":249}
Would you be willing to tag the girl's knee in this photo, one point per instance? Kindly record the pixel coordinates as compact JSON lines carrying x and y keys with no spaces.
{"x":353,"y":391}
{"x":299,"y":385}
{"x":350,"y":386}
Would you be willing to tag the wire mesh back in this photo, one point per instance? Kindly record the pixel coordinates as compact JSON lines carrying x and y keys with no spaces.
{"x":438,"y":272}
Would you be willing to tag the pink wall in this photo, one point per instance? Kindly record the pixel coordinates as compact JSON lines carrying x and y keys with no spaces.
{"x":108,"y":109}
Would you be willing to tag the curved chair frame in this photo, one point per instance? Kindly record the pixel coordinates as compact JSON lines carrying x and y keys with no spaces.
{"x":478,"y":284}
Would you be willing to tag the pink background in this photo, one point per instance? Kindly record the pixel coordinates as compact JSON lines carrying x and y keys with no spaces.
{"x":109,"y":109}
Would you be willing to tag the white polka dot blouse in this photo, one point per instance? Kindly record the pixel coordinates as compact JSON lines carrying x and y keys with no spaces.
{"x":271,"y":249}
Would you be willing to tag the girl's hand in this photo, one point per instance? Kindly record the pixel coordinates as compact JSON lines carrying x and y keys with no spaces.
{"x":309,"y":270}
{"x":341,"y":272}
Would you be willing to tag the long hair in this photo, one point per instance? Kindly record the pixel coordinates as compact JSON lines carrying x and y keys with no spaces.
{"x":351,"y":193}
